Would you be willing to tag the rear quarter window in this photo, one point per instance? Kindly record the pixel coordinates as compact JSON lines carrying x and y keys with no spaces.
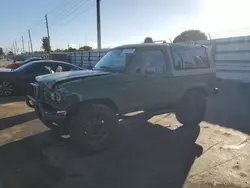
{"x":191,"y":57}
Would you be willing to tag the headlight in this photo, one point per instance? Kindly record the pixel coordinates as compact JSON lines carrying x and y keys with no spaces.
{"x":52,"y":96}
{"x":56,"y":96}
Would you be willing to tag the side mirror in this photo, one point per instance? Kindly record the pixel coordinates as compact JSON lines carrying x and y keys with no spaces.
{"x":150,"y":70}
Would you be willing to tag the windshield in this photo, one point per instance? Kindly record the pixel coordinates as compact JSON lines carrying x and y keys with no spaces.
{"x":115,"y":60}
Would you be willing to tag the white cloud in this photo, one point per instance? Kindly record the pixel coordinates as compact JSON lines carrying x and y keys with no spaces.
{"x":72,"y":45}
{"x":94,"y":45}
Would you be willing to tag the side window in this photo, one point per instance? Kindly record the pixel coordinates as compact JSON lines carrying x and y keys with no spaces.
{"x":38,"y":69}
{"x":190,"y":58}
{"x":52,"y":65}
{"x":154,"y":61}
{"x":69,"y":68}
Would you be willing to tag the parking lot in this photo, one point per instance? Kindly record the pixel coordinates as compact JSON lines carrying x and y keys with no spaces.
{"x":150,"y":150}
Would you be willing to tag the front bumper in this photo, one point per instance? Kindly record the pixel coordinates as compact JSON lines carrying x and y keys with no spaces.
{"x":47,"y":114}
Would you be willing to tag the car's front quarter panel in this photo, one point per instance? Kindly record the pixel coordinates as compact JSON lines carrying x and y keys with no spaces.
{"x":89,"y":88}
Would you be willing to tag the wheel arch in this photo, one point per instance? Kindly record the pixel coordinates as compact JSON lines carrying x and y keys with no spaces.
{"x":104,"y":101}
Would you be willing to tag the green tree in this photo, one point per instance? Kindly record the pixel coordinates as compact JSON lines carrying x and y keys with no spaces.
{"x":46,"y":44}
{"x":148,"y":40}
{"x":1,"y":51}
{"x":70,"y":49}
{"x":58,"y":50}
{"x":10,"y":53}
{"x":190,"y":35}
{"x":85,"y":48}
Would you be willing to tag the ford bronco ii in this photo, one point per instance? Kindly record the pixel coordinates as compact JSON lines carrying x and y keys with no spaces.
{"x":86,"y":104}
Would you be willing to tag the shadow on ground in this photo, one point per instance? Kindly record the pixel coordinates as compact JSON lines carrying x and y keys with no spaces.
{"x":15,"y":120}
{"x":143,"y":155}
{"x":22,"y":167}
{"x":4,"y":100}
{"x":231,"y":106}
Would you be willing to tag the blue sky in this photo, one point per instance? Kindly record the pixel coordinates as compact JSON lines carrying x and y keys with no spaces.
{"x":123,"y":21}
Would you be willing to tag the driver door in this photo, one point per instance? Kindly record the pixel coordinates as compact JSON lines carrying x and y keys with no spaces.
{"x":149,"y":79}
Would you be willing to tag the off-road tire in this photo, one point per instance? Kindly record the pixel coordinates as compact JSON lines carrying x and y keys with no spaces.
{"x":191,"y":109}
{"x":29,"y":103}
{"x":82,"y":122}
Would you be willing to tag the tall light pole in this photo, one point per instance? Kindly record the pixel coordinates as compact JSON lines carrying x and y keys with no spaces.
{"x":16,"y":47}
{"x":47,"y":27}
{"x":99,"y":40}
{"x":23,"y":44}
{"x":31,"y":46}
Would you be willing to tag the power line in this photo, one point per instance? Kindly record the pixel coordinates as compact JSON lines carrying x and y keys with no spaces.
{"x":232,"y":32}
{"x":81,"y":13}
{"x":68,"y":8}
{"x":70,"y":11}
{"x":59,"y":6}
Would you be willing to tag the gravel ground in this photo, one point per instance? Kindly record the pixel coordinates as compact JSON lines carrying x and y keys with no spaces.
{"x":150,"y":151}
{"x":4,"y":62}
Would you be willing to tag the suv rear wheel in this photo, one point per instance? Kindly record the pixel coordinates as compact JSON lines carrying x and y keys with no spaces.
{"x":92,"y":127}
{"x":192,"y":108}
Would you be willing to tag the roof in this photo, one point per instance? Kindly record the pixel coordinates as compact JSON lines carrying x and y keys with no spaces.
{"x":46,"y":60}
{"x":142,"y":45}
{"x":154,"y":44}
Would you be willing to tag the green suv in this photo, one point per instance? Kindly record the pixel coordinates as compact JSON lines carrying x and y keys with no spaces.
{"x":87,"y":104}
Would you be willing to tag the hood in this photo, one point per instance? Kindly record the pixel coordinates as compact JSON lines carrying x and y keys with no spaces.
{"x":51,"y":79}
{"x":5,"y":70}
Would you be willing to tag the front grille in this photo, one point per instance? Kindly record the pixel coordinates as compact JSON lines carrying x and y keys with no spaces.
{"x":33,"y":90}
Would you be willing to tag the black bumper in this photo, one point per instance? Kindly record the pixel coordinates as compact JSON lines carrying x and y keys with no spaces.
{"x":47,"y":114}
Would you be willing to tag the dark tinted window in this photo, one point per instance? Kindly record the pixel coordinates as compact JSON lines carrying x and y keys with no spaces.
{"x":33,"y":68}
{"x":67,"y":67}
{"x":190,"y":57}
{"x":39,"y":68}
{"x":154,"y":60}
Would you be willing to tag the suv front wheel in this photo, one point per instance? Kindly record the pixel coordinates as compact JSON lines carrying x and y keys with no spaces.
{"x":92,"y":127}
{"x":192,"y":108}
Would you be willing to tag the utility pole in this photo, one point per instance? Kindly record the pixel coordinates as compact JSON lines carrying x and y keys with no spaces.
{"x":99,"y":43}
{"x":209,"y":36}
{"x":23,"y":44}
{"x":16,"y":47}
{"x":14,"y":50}
{"x":31,"y":46}
{"x":47,"y":26}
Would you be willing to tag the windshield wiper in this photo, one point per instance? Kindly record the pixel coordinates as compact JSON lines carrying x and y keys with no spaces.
{"x":106,"y":67}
